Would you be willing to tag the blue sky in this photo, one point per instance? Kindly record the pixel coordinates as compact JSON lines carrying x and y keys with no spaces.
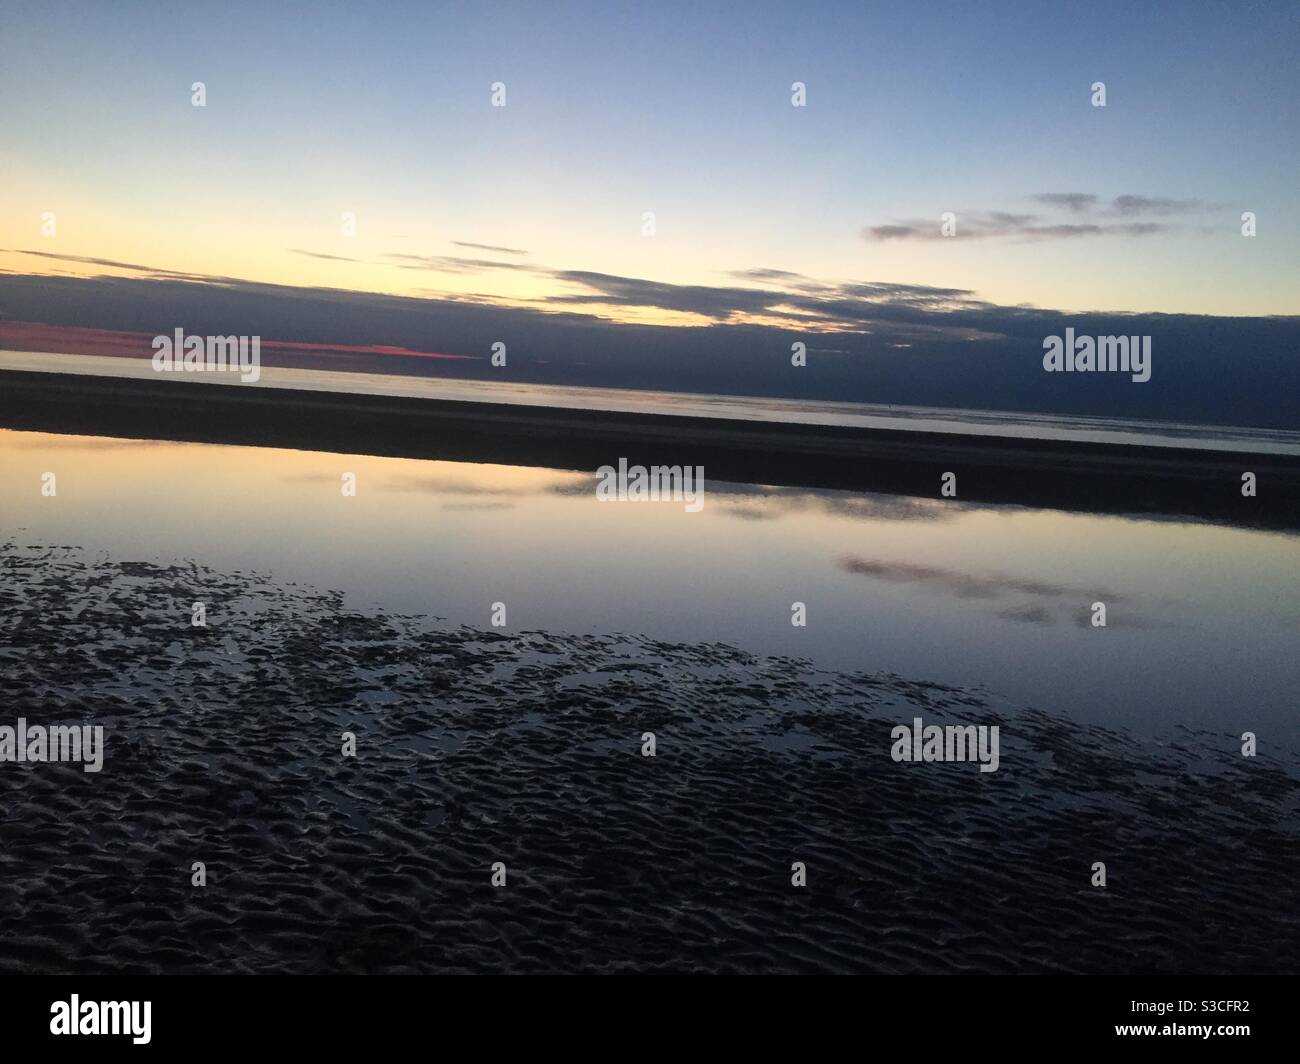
{"x":680,"y":109}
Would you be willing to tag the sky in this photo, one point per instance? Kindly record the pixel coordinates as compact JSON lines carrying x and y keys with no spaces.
{"x":683,"y":110}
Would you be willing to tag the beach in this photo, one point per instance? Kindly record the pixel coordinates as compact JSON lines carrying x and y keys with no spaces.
{"x":632,"y":774}
{"x":561,"y":489}
{"x":476,"y":747}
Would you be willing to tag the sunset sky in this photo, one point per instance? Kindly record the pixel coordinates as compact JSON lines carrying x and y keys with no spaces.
{"x":684,"y":110}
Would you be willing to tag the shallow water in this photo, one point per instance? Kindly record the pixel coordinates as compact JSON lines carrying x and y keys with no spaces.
{"x":1203,"y":621}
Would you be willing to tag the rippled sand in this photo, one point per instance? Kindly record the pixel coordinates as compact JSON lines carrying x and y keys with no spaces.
{"x":223,"y":746}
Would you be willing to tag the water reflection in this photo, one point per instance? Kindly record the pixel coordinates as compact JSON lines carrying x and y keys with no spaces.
{"x":1063,"y":603}
{"x":1202,"y":618}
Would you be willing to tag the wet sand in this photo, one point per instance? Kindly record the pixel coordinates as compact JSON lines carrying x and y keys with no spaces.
{"x":1069,"y":475}
{"x":477,"y":746}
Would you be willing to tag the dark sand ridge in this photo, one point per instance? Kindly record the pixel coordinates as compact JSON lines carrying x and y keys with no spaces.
{"x":1084,"y":476}
{"x":480,"y":746}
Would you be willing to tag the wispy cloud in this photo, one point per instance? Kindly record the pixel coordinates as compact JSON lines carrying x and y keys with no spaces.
{"x":1156,"y":205}
{"x":1072,"y":201}
{"x":321,"y":255}
{"x":449,"y":263}
{"x":976,"y":226}
{"x":156,"y":272}
{"x":613,"y":290}
{"x":488,"y":247}
{"x":814,"y":304}
{"x":879,"y":341}
{"x":1078,"y":214}
{"x":880,"y":313}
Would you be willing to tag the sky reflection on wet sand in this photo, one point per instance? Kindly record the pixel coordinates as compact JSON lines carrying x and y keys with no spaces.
{"x":1202,"y":619}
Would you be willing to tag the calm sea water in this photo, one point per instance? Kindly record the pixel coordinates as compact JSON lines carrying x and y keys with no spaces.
{"x":1203,"y":620}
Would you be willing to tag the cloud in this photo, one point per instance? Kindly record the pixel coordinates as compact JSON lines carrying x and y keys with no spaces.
{"x":796,"y":281}
{"x":763,"y":274}
{"x":1129,"y":205}
{"x":897,"y":232}
{"x":1028,"y":614}
{"x":902,"y":293}
{"x":488,"y":247}
{"x":322,"y":255}
{"x":111,"y":263}
{"x":157,"y":272}
{"x":449,"y":263}
{"x":1119,"y":218}
{"x":823,"y":305}
{"x":1072,"y":201}
{"x":613,"y":290}
{"x":964,"y":351}
{"x":973,"y":225}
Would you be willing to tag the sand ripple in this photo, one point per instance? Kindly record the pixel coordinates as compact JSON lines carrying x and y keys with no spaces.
{"x":479,"y":746}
